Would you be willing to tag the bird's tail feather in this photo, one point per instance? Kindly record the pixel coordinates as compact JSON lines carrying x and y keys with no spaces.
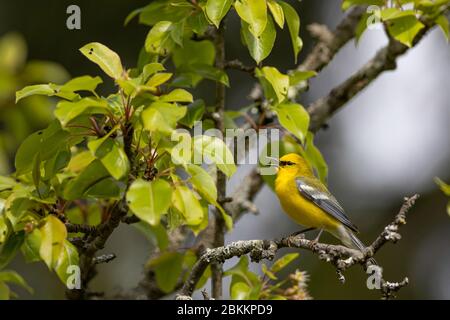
{"x":349,"y":239}
{"x":358,"y":244}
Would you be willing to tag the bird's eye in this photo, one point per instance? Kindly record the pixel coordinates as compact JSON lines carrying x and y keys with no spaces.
{"x":286,"y":163}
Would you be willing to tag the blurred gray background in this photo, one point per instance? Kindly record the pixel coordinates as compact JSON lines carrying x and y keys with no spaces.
{"x":388,"y":142}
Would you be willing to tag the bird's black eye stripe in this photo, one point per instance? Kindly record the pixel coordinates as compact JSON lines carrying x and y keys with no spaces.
{"x":286,"y":163}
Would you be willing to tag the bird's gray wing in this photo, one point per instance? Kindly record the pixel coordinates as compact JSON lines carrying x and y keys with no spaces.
{"x":313,"y":190}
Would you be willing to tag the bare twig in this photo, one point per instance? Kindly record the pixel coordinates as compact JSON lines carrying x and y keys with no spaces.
{"x":221,"y":181}
{"x":326,"y":48}
{"x":239,"y":65}
{"x":82,"y":228}
{"x":104,"y":258}
{"x":339,"y":256}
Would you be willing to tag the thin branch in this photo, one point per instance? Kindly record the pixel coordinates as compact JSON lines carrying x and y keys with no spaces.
{"x":221,"y":180}
{"x":239,"y":65}
{"x":322,"y":109}
{"x":326,"y":48}
{"x":339,"y":256}
{"x":104,"y":258}
{"x":80,"y":228}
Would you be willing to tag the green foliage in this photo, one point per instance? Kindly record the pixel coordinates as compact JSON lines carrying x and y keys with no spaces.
{"x":247,"y":285}
{"x":259,"y":46}
{"x":105,"y":58}
{"x":96,"y":153}
{"x":19,"y":120}
{"x":293,"y":22}
{"x":445,"y":188}
{"x":403,"y":24}
{"x":149,"y":200}
{"x":11,"y":277}
{"x":294,"y":118}
{"x":217,"y":9}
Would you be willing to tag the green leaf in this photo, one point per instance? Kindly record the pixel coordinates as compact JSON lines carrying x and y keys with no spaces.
{"x":395,"y":13}
{"x":105,"y":58}
{"x":83,"y":185}
{"x":31,"y":246}
{"x":105,"y":188}
{"x":168,"y":267}
{"x":149,"y":200}
{"x":4,"y":291}
{"x":203,"y":182}
{"x":209,"y":72}
{"x":277,"y":12}
{"x":177,"y":32}
{"x":445,"y":188}
{"x":3,"y":223}
{"x":217,"y":9}
{"x":158,"y":79}
{"x":185,"y":201}
{"x":314,"y":157}
{"x":281,"y":263}
{"x":10,"y":248}
{"x":150,"y":69}
{"x":13,"y":50}
{"x":177,"y":95}
{"x":162,"y":117}
{"x":111,"y":154}
{"x":296,"y":77}
{"x":54,"y":234}
{"x":240,"y":291}
{"x":293,"y":22}
{"x":37,"y":89}
{"x":6,"y":183}
{"x":240,"y":268}
{"x":66,"y":111}
{"x":55,"y":164}
{"x":162,"y":10}
{"x":46,"y":142}
{"x":261,"y":46}
{"x":241,"y":273}
{"x":294,"y":118}
{"x":14,"y":278}
{"x":274,"y":83}
{"x":19,"y":207}
{"x":67,"y":257}
{"x":205,"y":185}
{"x":443,"y":23}
{"x":80,"y":161}
{"x":198,"y":22}
{"x":361,"y":27}
{"x":216,"y":151}
{"x":159,"y":40}
{"x":36,"y":173}
{"x":346,"y":4}
{"x":194,"y":113}
{"x":268,"y":273}
{"x":190,"y":56}
{"x":83,"y":83}
{"x":155,"y":234}
{"x":253,"y":12}
{"x":405,"y":29}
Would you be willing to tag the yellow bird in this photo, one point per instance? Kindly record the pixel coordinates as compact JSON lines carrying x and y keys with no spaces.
{"x":308,"y":202}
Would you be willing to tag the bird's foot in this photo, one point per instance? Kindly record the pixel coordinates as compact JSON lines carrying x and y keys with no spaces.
{"x":316,"y":239}
{"x":301,"y":233}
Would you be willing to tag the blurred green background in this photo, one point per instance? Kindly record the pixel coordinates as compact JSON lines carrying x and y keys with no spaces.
{"x":390,"y":141}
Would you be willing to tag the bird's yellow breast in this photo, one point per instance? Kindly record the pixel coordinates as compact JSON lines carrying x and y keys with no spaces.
{"x":300,"y":209}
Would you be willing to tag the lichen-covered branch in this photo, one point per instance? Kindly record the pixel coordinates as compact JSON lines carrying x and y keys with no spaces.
{"x":339,"y":256}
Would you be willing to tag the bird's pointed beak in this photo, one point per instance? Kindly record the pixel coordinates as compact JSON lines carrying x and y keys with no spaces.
{"x":273,"y":160}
